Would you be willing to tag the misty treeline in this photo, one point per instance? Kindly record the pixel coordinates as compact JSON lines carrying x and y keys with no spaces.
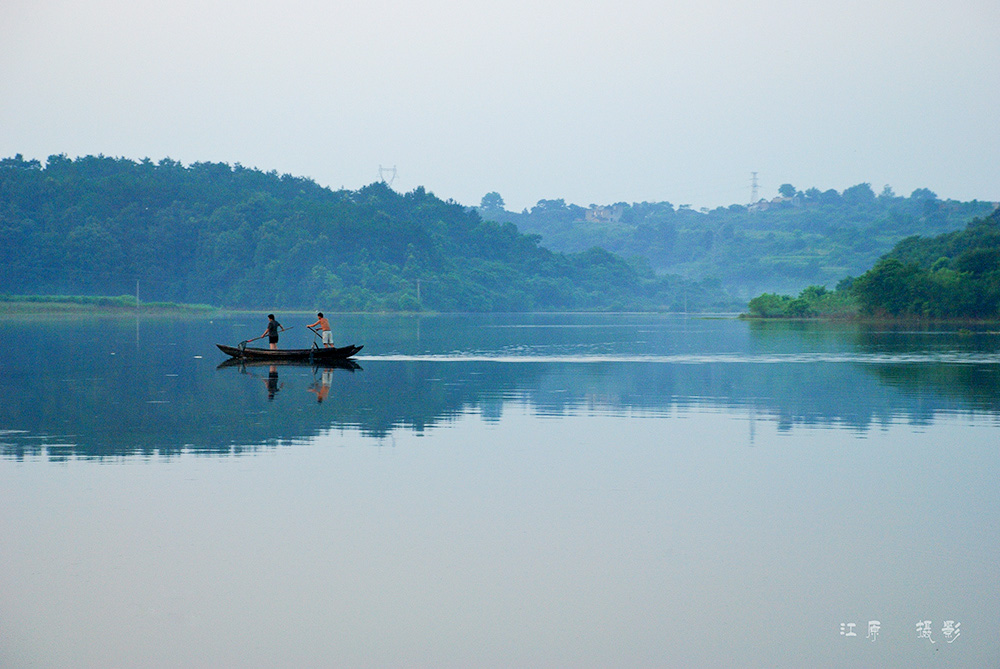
{"x":237,"y":237}
{"x":955,"y":275}
{"x":795,"y":240}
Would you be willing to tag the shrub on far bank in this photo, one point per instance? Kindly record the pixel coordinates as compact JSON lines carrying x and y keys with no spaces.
{"x":812,"y":302}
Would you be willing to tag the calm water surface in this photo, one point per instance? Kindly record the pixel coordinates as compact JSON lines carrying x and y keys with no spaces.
{"x":536,"y":490}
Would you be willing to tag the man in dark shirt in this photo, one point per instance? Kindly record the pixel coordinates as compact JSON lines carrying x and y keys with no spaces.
{"x":272,"y":331}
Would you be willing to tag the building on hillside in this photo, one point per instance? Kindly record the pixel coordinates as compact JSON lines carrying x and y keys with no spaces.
{"x":764,"y":205}
{"x":604,"y":214}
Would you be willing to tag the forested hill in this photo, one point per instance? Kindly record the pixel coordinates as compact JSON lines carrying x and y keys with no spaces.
{"x":954,"y":275}
{"x":237,"y":237}
{"x":797,"y":239}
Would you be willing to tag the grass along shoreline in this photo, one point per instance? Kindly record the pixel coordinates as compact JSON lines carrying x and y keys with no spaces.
{"x":40,"y":304}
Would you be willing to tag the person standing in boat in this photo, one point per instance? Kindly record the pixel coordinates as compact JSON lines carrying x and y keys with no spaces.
{"x":271,"y":332}
{"x":324,"y":326}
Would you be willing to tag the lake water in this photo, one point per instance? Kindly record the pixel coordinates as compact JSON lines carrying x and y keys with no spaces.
{"x":531,"y":490}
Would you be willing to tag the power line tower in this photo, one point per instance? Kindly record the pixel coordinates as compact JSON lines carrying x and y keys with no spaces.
{"x":753,"y":188}
{"x":389,"y":172}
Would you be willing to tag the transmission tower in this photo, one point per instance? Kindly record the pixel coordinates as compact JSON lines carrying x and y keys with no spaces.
{"x":389,"y":172}
{"x":753,"y":187}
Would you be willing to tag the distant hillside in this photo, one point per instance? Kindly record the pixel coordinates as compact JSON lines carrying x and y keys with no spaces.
{"x":236,"y":237}
{"x":788,"y":243}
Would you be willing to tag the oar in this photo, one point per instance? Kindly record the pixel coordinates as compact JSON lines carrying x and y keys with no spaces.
{"x":243,"y":344}
{"x":317,"y":334}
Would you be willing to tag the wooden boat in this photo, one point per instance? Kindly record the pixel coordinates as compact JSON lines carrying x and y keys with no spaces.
{"x":315,"y":355}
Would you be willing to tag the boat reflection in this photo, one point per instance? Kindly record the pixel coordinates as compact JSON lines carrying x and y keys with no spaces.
{"x":320,"y":387}
{"x":243,"y":364}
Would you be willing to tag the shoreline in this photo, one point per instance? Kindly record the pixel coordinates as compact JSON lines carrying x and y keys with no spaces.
{"x":872,"y":320}
{"x":63,"y":304}
{"x":12,"y":305}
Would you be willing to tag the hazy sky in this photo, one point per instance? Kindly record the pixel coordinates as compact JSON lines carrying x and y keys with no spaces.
{"x":593,"y":101}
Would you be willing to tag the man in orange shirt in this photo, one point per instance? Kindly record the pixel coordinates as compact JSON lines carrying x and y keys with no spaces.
{"x":324,"y":326}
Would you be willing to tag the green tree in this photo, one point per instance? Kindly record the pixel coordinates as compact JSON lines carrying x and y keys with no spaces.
{"x":769,"y":305}
{"x":860,"y":195}
{"x":979,"y":260}
{"x":799,"y":308}
{"x":813,"y":293}
{"x":891,"y":287}
{"x":491,"y":202}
